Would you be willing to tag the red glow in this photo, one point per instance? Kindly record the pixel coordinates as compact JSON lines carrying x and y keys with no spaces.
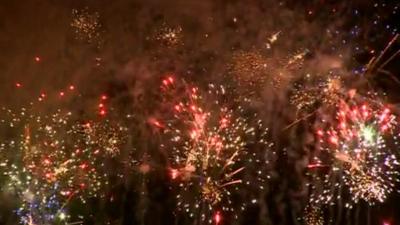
{"x":217,"y":217}
{"x":18,"y":85}
{"x":46,"y":161}
{"x":104,"y":97}
{"x":342,"y":114}
{"x":364,"y":107}
{"x":102,"y":112}
{"x":155,"y":123}
{"x":224,"y":122}
{"x":168,"y":81}
{"x":386,"y":111}
{"x":317,"y":165}
{"x":37,"y":59}
{"x":365,"y":114}
{"x":174,"y":174}
{"x":83,"y":166}
{"x":333,"y":140}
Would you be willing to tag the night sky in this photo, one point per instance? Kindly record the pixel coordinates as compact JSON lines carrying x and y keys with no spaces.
{"x":121,"y":112}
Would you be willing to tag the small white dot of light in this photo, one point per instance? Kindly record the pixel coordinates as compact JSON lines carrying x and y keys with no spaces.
{"x":62,"y":216}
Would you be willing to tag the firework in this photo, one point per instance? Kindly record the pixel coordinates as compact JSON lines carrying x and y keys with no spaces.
{"x":169,"y":36}
{"x":311,"y":94}
{"x":212,"y":150}
{"x":250,"y":68}
{"x":272,"y":39}
{"x":357,"y":150}
{"x":313,"y":216}
{"x":86,"y":25}
{"x":52,"y":158}
{"x":39,"y":202}
{"x":104,"y":135}
{"x":253,"y":70}
{"x":41,"y":207}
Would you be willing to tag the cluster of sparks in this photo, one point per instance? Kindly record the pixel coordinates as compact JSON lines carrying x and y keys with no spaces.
{"x":313,"y":216}
{"x":86,"y":25}
{"x":169,"y":36}
{"x":326,"y":91}
{"x":215,"y":149}
{"x":357,"y":147}
{"x":39,"y":207}
{"x":250,"y":68}
{"x":210,"y":148}
{"x":253,"y":69}
{"x":51,"y":159}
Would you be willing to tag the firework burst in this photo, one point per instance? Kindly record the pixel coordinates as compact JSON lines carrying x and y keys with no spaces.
{"x":42,"y":206}
{"x":253,"y":70}
{"x":311,"y":94}
{"x":313,"y":216}
{"x":86,"y":26}
{"x":52,"y":158}
{"x":169,"y":36}
{"x":214,"y":152}
{"x":356,"y":149}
